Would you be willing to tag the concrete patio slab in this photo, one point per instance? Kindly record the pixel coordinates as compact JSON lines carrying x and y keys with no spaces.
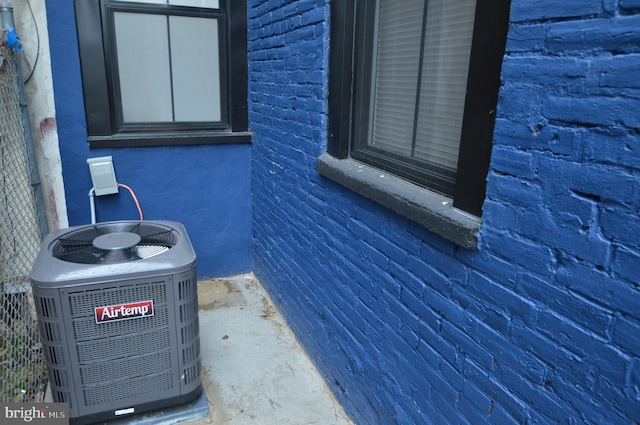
{"x":254,"y":370}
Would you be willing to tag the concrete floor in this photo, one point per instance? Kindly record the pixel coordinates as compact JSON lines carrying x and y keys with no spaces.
{"x":254,"y":370}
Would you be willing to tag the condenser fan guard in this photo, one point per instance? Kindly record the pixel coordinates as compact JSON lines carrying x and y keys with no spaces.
{"x":110,"y":243}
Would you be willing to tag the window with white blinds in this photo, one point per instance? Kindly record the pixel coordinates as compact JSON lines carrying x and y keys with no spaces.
{"x":419,"y":66}
{"x":413,"y":94}
{"x":163,"y":72}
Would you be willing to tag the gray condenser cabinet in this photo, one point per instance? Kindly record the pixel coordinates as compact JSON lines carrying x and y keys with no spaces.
{"x":117,"y":308}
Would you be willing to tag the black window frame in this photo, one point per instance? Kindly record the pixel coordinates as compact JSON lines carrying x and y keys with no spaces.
{"x":487,"y":51}
{"x":100,"y":84}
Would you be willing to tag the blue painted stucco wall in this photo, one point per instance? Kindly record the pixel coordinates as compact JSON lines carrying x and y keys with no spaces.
{"x":540,"y":324}
{"x":207,"y":188}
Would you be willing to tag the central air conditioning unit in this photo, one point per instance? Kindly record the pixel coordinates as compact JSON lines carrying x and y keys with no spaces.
{"x":118,"y":313}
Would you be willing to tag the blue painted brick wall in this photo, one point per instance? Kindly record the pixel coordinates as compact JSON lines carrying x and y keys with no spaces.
{"x":540,"y":324}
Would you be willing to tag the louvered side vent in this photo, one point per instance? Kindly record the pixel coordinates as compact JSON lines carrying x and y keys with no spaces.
{"x":50,"y":323}
{"x":124,"y":358}
{"x":189,"y":331}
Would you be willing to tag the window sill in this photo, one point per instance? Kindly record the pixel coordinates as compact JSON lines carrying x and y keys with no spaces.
{"x":124,"y":140}
{"x":434,"y":212}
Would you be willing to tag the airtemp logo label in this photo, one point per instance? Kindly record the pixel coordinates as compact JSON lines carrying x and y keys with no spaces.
{"x":112,"y":313}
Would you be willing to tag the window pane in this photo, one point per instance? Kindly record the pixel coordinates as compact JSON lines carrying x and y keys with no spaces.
{"x":196,"y":68}
{"x":397,"y":67}
{"x":448,"y":37}
{"x":143,"y":66}
{"x":420,"y":77}
{"x":209,"y":4}
{"x":146,"y":1}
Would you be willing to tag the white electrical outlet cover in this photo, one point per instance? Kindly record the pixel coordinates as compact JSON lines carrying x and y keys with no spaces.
{"x":103,"y":175}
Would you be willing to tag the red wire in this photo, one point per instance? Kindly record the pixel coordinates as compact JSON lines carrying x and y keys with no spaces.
{"x":133,"y":195}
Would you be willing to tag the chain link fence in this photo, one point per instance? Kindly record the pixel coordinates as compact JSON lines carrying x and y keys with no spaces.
{"x":22,"y":372}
